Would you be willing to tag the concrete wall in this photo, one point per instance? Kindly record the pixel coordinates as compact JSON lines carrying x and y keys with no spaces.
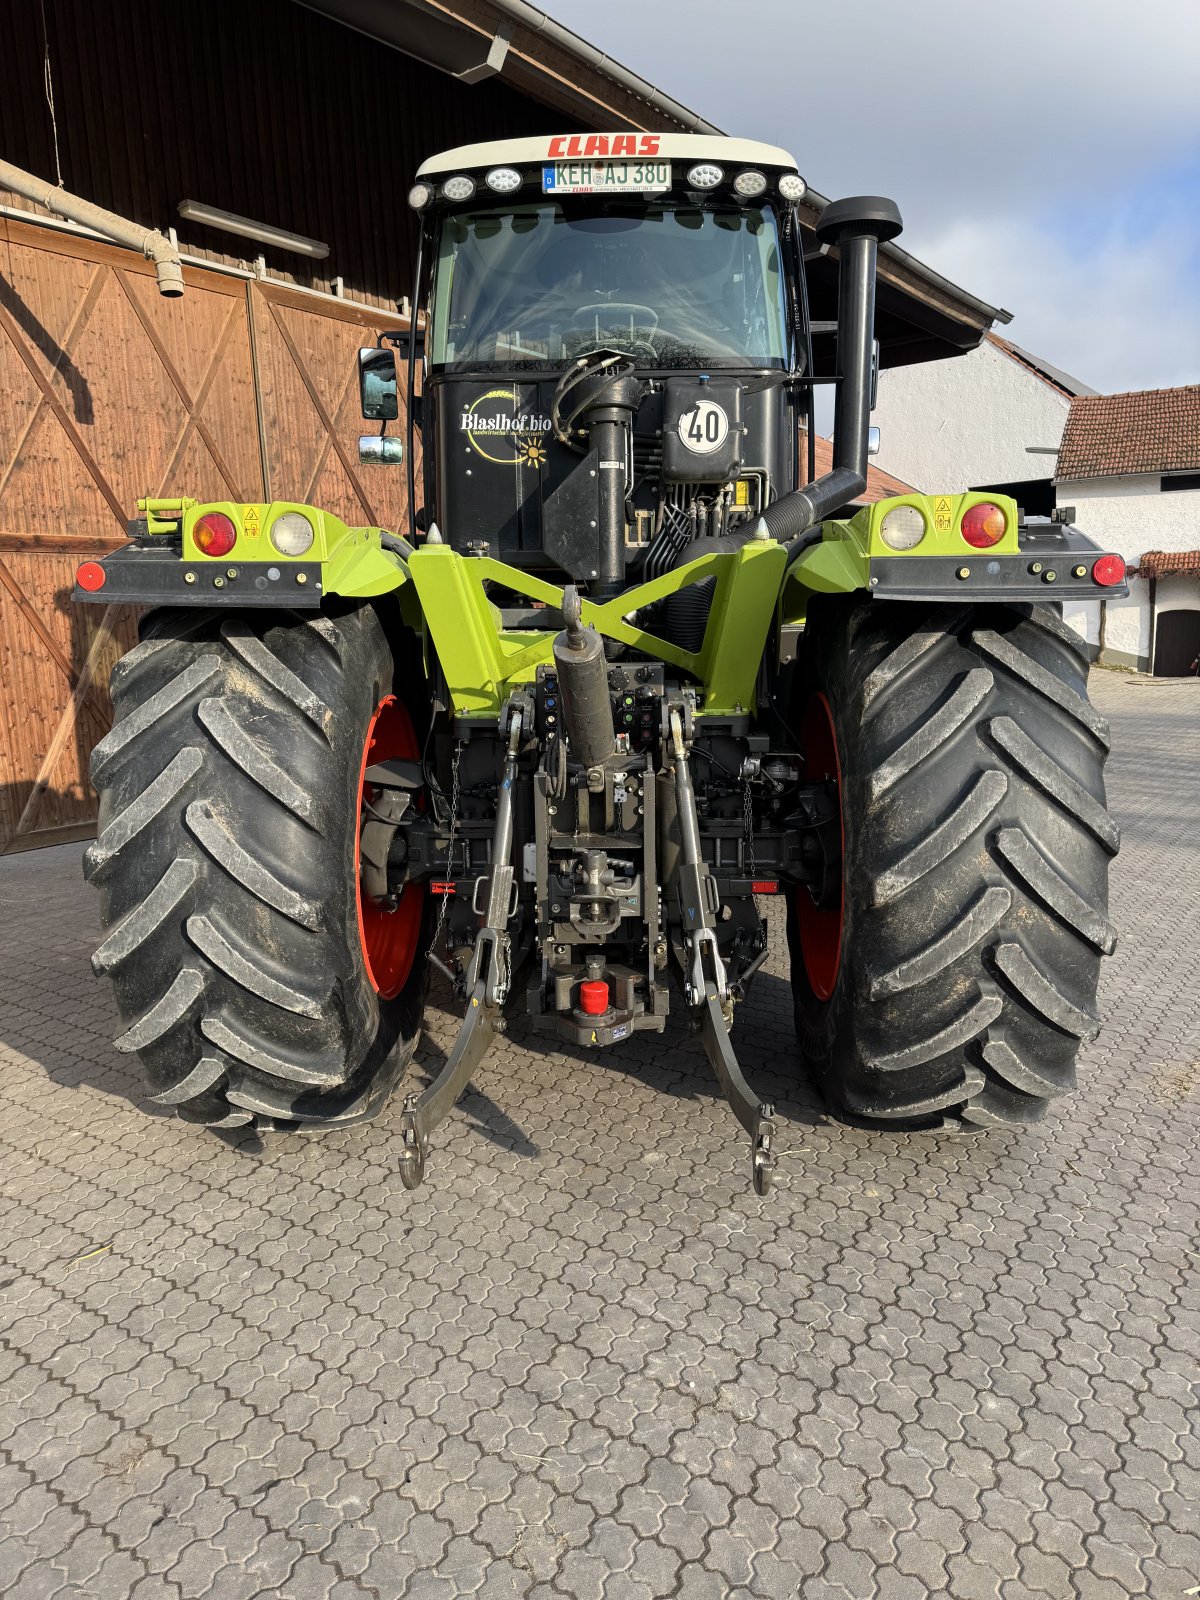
{"x":1129,"y":514}
{"x":945,"y":425}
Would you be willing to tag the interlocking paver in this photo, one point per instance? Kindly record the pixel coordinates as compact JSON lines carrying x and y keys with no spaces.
{"x":584,"y":1359}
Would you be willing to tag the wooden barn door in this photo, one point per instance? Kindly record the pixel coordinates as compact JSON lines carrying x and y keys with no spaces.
{"x":306,"y":351}
{"x":237,"y":391}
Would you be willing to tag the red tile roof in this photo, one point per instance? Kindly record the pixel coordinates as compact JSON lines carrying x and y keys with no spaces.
{"x":880,"y":485}
{"x":1151,"y":430}
{"x":1164,"y":563}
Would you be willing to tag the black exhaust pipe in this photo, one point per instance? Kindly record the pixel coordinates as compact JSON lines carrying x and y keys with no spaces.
{"x":856,"y":226}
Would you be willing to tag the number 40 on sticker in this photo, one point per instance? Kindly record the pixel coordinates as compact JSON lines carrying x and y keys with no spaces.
{"x":704,"y":428}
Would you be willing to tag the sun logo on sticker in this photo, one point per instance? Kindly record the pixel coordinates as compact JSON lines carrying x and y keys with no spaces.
{"x":532,"y":452}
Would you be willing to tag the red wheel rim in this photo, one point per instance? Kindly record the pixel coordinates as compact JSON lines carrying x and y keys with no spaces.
{"x":821,"y":927}
{"x":389,"y":939}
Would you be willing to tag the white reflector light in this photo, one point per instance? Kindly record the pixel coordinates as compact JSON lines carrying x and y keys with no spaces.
{"x":749,"y":184}
{"x":792,"y":187}
{"x":704,"y":175}
{"x":503,"y":180}
{"x":292,"y":533}
{"x":460,"y":187}
{"x":903,"y":528}
{"x":420,"y":195}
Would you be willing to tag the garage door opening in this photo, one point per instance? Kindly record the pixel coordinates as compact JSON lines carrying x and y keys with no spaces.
{"x":1177,"y":644}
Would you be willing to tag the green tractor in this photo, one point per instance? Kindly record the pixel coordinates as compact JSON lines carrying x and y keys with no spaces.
{"x":629,"y":669}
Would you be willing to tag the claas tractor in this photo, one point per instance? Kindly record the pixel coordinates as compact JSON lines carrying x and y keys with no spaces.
{"x":630,"y":669}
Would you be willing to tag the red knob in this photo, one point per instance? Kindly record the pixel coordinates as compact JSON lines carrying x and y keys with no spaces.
{"x":593,"y":998}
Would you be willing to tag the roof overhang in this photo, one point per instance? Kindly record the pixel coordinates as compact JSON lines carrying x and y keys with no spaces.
{"x":921,"y":315}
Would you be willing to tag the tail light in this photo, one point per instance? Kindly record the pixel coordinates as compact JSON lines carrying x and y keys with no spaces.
{"x":984,"y":525}
{"x":91,"y":576}
{"x":214,"y":534}
{"x":1109,"y":570}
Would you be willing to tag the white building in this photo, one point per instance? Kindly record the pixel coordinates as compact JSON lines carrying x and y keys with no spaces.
{"x":1000,"y":418}
{"x":1130,"y":465}
{"x":992,"y":419}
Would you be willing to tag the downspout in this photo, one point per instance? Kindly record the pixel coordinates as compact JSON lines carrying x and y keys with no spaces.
{"x":153,"y":245}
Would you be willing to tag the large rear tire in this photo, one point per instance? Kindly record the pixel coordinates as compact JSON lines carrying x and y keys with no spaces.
{"x":956,"y":973}
{"x":227,"y":862}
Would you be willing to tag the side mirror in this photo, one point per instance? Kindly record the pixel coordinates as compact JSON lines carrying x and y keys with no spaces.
{"x":377,"y":385}
{"x":381,"y":449}
{"x":872,"y":441}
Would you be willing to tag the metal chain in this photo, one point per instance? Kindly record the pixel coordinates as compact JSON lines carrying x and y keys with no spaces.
{"x":444,"y":909}
{"x":748,"y":826}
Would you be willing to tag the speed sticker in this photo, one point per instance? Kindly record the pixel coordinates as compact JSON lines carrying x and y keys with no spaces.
{"x":704,"y":428}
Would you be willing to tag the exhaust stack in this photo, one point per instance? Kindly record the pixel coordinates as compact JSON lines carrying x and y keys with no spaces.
{"x":856,"y":226}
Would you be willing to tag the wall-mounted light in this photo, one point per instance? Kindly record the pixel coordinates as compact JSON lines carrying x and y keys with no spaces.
{"x":247,"y":228}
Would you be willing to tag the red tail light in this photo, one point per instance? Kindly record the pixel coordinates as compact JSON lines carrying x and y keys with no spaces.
{"x":91,"y":576}
{"x":215,"y":534}
{"x":1109,"y":570}
{"x":984,"y":525}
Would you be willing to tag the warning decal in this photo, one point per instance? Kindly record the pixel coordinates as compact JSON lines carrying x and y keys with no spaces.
{"x":250,"y":522}
{"x":943,"y":513}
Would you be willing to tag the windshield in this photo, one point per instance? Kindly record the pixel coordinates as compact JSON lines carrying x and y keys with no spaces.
{"x":670,"y":284}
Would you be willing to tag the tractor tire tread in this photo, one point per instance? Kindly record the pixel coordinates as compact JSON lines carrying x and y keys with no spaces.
{"x":977,"y":847}
{"x":225,"y":860}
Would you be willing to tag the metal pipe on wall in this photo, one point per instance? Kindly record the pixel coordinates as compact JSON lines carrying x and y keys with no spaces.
{"x":153,"y":245}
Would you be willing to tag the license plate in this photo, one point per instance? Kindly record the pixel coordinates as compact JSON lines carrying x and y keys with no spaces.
{"x":605,"y":177}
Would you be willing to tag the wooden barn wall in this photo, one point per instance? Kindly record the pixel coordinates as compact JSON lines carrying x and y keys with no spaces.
{"x":239,"y":390}
{"x":264,"y":109}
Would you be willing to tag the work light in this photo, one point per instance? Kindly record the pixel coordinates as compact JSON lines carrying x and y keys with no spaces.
{"x":749,"y":185}
{"x":460,"y":187}
{"x":292,"y":533}
{"x":420,"y":195}
{"x":503,"y":180}
{"x":903,"y":528}
{"x":704,"y":175}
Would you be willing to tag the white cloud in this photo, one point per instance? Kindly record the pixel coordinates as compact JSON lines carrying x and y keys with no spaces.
{"x":1107,"y":309}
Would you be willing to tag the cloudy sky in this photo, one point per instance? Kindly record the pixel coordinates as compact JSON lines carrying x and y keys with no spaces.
{"x":1045,"y":154}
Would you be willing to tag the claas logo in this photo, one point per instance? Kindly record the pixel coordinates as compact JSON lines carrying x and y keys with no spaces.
{"x":571,"y":146}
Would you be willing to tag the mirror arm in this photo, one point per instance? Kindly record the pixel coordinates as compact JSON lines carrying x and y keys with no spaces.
{"x":410,"y":409}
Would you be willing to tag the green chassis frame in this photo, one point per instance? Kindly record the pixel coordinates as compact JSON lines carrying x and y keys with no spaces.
{"x":444,"y":594}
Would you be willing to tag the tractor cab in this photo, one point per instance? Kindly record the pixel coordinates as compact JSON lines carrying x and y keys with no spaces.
{"x":615,"y":326}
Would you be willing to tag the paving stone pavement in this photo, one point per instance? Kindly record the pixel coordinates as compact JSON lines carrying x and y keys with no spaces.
{"x":585,"y":1360}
